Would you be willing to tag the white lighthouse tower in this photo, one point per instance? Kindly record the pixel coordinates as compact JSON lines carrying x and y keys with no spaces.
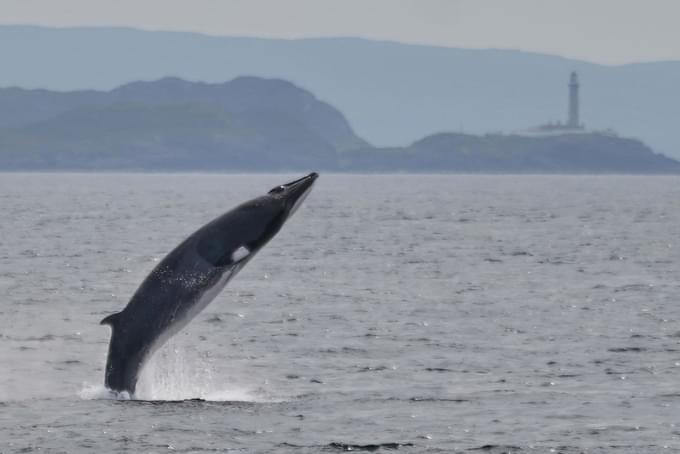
{"x":573,"y":120}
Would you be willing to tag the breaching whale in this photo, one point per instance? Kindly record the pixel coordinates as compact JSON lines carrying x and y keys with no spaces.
{"x":190,"y":277}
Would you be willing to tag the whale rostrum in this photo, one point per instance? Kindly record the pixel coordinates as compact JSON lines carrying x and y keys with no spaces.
{"x":191,"y":276}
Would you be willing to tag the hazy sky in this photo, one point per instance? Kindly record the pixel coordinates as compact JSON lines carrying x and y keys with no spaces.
{"x":604,"y":31}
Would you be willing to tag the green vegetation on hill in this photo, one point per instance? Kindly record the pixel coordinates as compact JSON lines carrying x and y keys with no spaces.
{"x":171,"y":124}
{"x":253,"y":124}
{"x":563,"y":153}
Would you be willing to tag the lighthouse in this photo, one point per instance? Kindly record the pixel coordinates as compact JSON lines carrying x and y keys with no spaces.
{"x":573,"y":121}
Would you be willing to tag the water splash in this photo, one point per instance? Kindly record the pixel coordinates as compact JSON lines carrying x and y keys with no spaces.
{"x":180,"y":372}
{"x":101,"y":392}
{"x":175,"y":372}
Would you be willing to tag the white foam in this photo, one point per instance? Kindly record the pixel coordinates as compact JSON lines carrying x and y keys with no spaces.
{"x":172,"y":390}
{"x":100,"y":392}
{"x":179,"y":372}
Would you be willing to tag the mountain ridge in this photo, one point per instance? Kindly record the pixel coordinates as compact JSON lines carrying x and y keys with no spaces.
{"x":256,"y":124}
{"x":391,"y":93}
{"x":172,"y":123}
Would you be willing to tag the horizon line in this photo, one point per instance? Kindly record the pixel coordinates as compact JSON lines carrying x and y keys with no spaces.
{"x":336,"y":37}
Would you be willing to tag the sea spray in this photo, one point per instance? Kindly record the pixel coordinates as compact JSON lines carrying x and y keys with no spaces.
{"x":176,"y":372}
{"x":179,"y":371}
{"x":91,"y":391}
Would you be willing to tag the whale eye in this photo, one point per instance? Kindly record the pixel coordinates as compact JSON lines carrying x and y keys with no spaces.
{"x":277,"y":190}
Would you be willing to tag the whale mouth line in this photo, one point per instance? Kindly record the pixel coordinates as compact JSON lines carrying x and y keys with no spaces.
{"x":312,"y":176}
{"x":297,"y":191}
{"x":301,"y":198}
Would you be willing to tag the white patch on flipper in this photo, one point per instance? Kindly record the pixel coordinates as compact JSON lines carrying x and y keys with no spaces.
{"x":240,"y":253}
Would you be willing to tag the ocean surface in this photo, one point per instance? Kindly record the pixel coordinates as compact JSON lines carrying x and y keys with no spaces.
{"x":414,"y":314}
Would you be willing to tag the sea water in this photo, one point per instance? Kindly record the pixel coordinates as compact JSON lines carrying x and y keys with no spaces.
{"x":413,"y":313}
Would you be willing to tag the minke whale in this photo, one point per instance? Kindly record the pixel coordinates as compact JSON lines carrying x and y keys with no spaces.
{"x":190,"y":277}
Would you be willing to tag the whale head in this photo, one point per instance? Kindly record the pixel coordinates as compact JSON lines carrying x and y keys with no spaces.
{"x":294,"y":193}
{"x":237,"y":235}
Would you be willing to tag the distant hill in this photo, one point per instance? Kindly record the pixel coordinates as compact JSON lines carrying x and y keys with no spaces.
{"x":253,"y":124}
{"x":170,"y":124}
{"x":392,"y":94}
{"x":563,"y":153}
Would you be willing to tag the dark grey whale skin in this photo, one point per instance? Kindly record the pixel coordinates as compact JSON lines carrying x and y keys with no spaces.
{"x":190,"y":277}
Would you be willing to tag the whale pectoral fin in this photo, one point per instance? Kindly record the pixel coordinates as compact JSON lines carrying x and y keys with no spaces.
{"x":111,"y":320}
